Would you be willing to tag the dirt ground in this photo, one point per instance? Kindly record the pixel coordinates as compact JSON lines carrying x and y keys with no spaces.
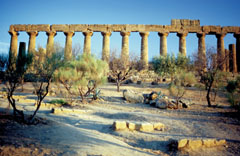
{"x":90,"y":133}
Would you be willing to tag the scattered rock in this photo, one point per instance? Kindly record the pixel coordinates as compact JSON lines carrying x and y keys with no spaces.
{"x":154,"y":83}
{"x":161,"y":103}
{"x":153,"y":95}
{"x":132,"y":97}
{"x":68,"y":111}
{"x":119,"y":125}
{"x":159,"y":126}
{"x":172,"y":105}
{"x":139,"y":82}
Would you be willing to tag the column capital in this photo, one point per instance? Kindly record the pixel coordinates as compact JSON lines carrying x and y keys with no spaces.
{"x":144,"y":33}
{"x":125,"y":33}
{"x":106,"y":33}
{"x":163,"y":34}
{"x":202,"y":34}
{"x":220,"y":35}
{"x":182,"y":34}
{"x":51,"y":33}
{"x":87,"y":33}
{"x":236,"y":35}
{"x":13,"y":33}
{"x":69,"y":33}
{"x":32,"y":33}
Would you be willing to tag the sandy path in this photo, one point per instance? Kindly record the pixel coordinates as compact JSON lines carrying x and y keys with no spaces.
{"x":91,"y":133}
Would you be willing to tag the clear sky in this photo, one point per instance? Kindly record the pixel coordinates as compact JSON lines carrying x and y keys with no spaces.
{"x":209,"y":12}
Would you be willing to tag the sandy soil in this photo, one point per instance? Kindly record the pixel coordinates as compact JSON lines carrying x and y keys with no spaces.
{"x":91,"y":133}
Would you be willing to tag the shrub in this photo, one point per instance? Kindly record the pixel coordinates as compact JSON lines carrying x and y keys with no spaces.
{"x":82,"y":76}
{"x":233,"y":89}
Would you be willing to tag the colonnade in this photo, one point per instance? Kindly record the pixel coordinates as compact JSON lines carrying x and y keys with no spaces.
{"x":163,"y":34}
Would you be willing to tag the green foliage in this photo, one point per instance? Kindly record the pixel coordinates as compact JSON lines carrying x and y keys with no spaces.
{"x":233,"y":89}
{"x":82,"y":76}
{"x":168,"y":66}
{"x":59,"y":101}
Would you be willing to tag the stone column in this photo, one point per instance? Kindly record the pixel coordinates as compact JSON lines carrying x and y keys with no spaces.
{"x":125,"y":45}
{"x":68,"y":45}
{"x":227,"y":59}
{"x":182,"y":43}
{"x":202,"y":50}
{"x":144,"y":48}
{"x":221,"y":51}
{"x":50,"y":42}
{"x":163,"y":43}
{"x":87,"y":42}
{"x":233,"y":58}
{"x":237,"y":36}
{"x":14,"y":43}
{"x":32,"y":41}
{"x":106,"y":46}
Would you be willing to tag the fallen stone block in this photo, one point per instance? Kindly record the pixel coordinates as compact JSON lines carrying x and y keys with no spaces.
{"x":195,"y":144}
{"x":131,"y":126}
{"x":146,"y":127}
{"x":220,"y":142}
{"x":182,"y":143}
{"x":158,"y":126}
{"x":133,"y":97}
{"x":209,"y":142}
{"x":119,"y":125}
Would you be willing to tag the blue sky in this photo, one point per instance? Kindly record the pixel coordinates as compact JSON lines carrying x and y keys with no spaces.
{"x":209,"y":12}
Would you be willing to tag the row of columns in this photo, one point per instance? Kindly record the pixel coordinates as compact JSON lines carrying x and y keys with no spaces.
{"x":125,"y":44}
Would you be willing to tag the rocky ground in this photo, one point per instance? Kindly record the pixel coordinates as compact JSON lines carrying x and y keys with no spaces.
{"x":91,"y":132}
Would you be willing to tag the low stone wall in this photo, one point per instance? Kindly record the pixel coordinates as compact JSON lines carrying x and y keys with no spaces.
{"x":196,"y":144}
{"x":144,"y":127}
{"x":68,"y":111}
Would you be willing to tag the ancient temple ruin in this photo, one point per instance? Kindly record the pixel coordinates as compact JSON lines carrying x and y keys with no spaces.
{"x":181,"y":27}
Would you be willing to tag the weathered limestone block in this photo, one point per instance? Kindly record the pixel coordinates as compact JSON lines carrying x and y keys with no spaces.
{"x":159,"y":126}
{"x":209,"y":142}
{"x":60,"y":27}
{"x":117,"y":27}
{"x":175,"y":22}
{"x":40,"y":27}
{"x":195,"y":144}
{"x":20,"y":27}
{"x":132,"y":97}
{"x":157,"y":28}
{"x":78,"y":27}
{"x":206,"y":29}
{"x":220,"y":142}
{"x":229,"y":29}
{"x":182,"y":143}
{"x":185,"y":22}
{"x":131,"y":126}
{"x":119,"y":125}
{"x":193,"y":29}
{"x":195,"y":22}
{"x":146,"y":127}
{"x":215,"y":29}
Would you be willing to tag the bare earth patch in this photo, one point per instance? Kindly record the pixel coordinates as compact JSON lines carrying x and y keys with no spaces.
{"x":91,"y":133}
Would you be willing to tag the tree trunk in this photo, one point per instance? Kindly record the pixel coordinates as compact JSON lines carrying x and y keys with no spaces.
{"x":118,"y":86}
{"x":208,"y":94}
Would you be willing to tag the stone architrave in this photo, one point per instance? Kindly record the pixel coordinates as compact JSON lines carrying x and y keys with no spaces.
{"x":125,"y":45}
{"x":106,"y":46}
{"x":87,"y":42}
{"x":237,"y":36}
{"x":68,"y":45}
{"x":202,"y":50}
{"x":233,"y":58}
{"x":182,"y":43}
{"x":163,"y":43}
{"x":32,"y":41}
{"x":227,"y":59}
{"x":144,"y":48}
{"x":50,"y":42}
{"x":221,"y":52}
{"x":14,"y":43}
